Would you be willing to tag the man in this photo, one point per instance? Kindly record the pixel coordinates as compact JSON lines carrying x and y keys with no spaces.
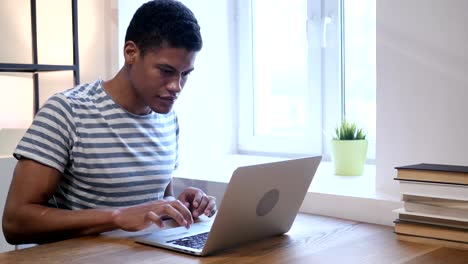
{"x":99,"y":156}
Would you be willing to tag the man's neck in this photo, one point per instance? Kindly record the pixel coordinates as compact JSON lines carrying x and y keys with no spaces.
{"x":121,"y":91}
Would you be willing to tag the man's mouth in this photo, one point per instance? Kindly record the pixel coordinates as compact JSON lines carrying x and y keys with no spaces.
{"x":168,"y":98}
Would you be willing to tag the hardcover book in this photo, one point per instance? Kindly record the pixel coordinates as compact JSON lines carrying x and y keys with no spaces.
{"x":433,"y":241}
{"x":435,"y":190}
{"x":436,"y":206}
{"x":433,"y":173}
{"x":431,"y":219}
{"x":431,"y":231}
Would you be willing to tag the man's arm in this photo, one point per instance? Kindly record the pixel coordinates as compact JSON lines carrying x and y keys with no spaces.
{"x":27,"y":219}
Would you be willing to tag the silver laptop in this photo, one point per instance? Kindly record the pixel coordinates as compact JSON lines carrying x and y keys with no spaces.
{"x":260,"y":201}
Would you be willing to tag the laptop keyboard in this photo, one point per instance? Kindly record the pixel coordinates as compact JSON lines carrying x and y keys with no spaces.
{"x":195,"y":241}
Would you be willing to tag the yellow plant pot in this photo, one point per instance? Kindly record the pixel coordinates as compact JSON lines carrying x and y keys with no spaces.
{"x":349,"y":156}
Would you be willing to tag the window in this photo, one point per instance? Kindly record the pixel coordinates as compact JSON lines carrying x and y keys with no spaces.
{"x":280,"y":95}
{"x":301,"y":72}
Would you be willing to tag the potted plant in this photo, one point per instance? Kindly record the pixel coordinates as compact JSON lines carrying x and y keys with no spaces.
{"x":349,"y":149}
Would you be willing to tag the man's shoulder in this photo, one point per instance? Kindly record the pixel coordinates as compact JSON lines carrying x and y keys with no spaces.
{"x":86,"y":91}
{"x":88,"y":96}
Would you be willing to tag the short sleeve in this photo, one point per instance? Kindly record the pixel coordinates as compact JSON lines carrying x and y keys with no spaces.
{"x":49,"y":139}
{"x":177,"y":142}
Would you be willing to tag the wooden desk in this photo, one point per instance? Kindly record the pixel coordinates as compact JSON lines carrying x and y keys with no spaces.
{"x":312,"y":239}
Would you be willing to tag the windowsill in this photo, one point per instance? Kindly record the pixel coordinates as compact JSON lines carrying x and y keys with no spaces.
{"x":349,"y":197}
{"x":325,"y":181}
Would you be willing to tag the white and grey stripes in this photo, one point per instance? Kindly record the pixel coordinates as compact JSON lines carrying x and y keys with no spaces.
{"x":108,"y":157}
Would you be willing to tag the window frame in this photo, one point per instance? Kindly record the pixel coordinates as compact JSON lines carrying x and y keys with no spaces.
{"x":325,"y":95}
{"x":249,"y":143}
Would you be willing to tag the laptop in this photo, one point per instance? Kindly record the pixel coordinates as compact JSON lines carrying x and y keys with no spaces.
{"x":260,"y":201}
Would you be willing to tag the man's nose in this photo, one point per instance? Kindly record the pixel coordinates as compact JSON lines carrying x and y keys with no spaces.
{"x":176,"y":85}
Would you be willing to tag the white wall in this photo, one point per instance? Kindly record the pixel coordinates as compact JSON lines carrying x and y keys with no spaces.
{"x":422,"y":85}
{"x":7,"y":163}
{"x":8,"y":140}
{"x":206,"y":106}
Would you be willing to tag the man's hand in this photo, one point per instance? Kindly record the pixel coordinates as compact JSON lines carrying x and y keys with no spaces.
{"x":198,"y":202}
{"x":135,"y":218}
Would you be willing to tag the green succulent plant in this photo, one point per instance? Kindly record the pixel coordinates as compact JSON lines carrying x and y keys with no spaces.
{"x":349,"y":131}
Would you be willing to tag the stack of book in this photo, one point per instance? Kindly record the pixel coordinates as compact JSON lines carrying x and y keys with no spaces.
{"x":435,"y":205}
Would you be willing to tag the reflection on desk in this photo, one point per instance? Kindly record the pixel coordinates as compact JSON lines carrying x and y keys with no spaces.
{"x":312,"y":239}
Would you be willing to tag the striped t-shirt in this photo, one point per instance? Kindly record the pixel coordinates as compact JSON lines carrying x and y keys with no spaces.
{"x":108,"y":157}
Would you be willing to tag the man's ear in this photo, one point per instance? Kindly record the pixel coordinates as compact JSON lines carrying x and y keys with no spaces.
{"x":130,"y":52}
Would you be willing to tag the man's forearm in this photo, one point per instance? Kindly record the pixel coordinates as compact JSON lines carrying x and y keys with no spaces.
{"x":39,"y":224}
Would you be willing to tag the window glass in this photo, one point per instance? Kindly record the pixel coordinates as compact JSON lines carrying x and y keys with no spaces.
{"x":280,"y":68}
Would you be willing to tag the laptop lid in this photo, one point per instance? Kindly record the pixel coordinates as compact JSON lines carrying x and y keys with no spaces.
{"x":260,"y":201}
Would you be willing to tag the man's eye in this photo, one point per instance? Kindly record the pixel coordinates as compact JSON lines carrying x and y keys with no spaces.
{"x":185,"y":74}
{"x":165,"y":71}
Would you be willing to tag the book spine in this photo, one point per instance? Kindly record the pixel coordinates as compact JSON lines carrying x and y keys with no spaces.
{"x":430,"y":231}
{"x":445,"y":191}
{"x":435,"y":210}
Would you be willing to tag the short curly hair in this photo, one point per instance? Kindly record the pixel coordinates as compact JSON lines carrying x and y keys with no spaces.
{"x":164,"y":22}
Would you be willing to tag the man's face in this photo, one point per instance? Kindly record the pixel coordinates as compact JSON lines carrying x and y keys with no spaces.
{"x":159,"y":76}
